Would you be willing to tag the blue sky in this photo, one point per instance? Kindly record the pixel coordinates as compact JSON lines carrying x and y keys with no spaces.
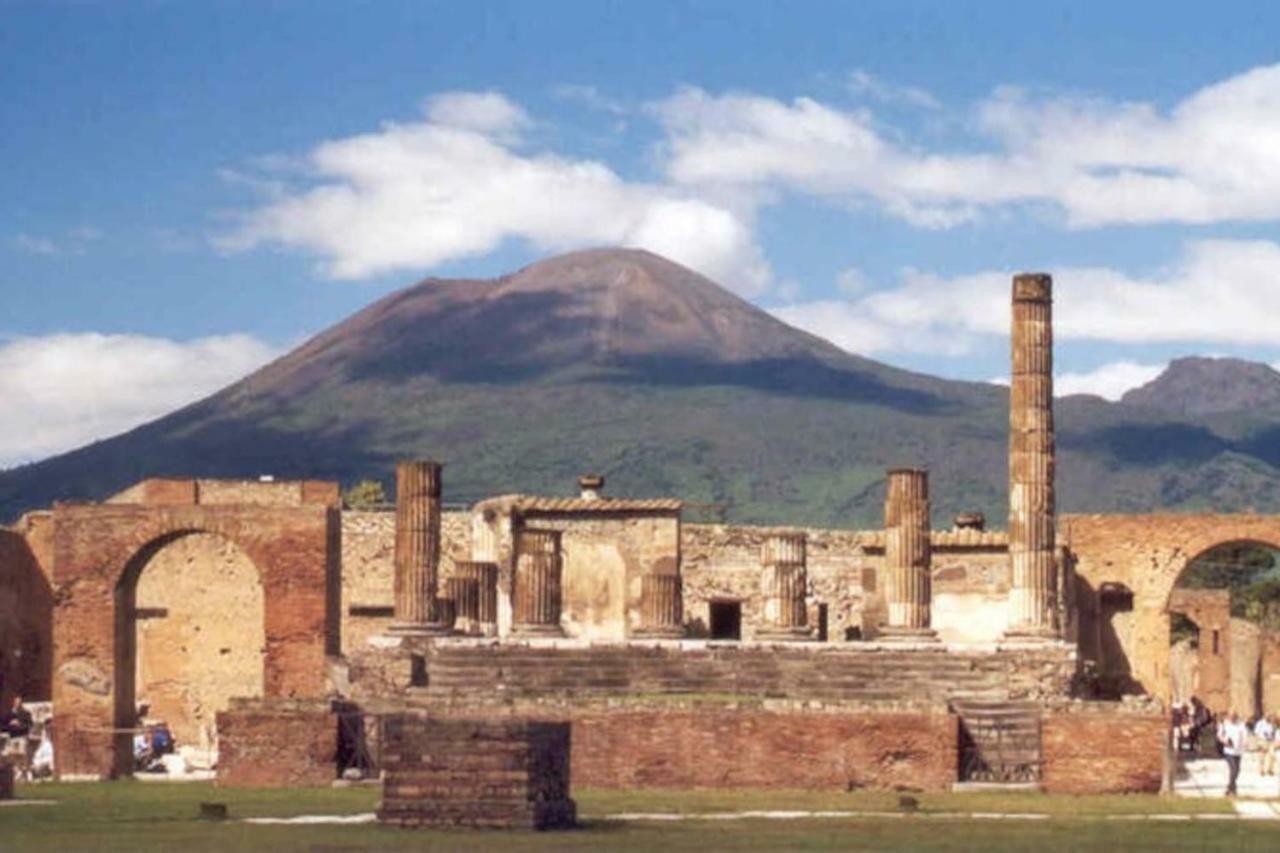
{"x":187,"y":189}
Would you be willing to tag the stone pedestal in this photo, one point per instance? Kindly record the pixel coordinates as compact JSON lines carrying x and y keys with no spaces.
{"x":417,"y":556}
{"x":661,"y":607}
{"x":1032,"y":519}
{"x":537,"y":584}
{"x":783,"y":585}
{"x":497,"y":774}
{"x":908,"y":558}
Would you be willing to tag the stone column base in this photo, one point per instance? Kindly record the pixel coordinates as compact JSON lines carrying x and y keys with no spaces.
{"x":794,"y":634}
{"x":899,"y":634}
{"x":531,"y":629}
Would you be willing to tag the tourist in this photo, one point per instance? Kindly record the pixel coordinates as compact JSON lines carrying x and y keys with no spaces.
{"x":1268,"y":734}
{"x":42,"y":760}
{"x":16,"y":723}
{"x":1232,"y":734}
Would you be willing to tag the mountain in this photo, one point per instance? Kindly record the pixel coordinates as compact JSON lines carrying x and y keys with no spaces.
{"x":1207,"y":386}
{"x":624,"y":363}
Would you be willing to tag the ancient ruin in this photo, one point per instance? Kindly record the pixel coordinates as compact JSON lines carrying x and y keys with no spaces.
{"x":678,"y":654}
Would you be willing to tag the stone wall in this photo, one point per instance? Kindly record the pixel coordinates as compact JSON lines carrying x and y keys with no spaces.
{"x":731,"y":748}
{"x":368,"y":569}
{"x":1099,"y":749}
{"x":200,"y":637}
{"x":1145,"y":555}
{"x":496,"y":774}
{"x":1245,"y":650}
{"x":1210,"y":609}
{"x":26,"y":609}
{"x":970,"y":580}
{"x":275,"y":744}
{"x":99,"y":553}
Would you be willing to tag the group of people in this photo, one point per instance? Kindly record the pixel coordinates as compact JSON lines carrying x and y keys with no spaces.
{"x":1197,"y":730}
{"x":152,"y":741}
{"x":30,"y":747}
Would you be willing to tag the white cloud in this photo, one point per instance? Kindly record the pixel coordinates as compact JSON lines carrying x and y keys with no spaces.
{"x":1218,"y":292}
{"x":33,"y":245}
{"x":484,"y":112}
{"x":590,"y":96}
{"x":73,"y":242}
{"x":412,"y":196}
{"x":1213,"y":157}
{"x":862,"y":82}
{"x":63,"y":391}
{"x":1110,"y":381}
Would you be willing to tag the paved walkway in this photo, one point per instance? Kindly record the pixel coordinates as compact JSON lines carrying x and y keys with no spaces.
{"x":1207,"y":777}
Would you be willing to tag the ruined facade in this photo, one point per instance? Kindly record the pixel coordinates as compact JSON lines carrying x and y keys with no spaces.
{"x":681,"y":653}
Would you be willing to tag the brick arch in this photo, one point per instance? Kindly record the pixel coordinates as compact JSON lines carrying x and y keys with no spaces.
{"x":1148,"y":554}
{"x":126,"y":626}
{"x":96,"y":550}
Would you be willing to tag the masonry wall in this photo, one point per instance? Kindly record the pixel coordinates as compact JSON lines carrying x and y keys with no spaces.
{"x":722,"y":563}
{"x":26,"y":609}
{"x":368,"y":569}
{"x":1101,"y":750}
{"x":200,"y":634}
{"x":604,"y":557}
{"x":1145,"y":554}
{"x":272,"y":744}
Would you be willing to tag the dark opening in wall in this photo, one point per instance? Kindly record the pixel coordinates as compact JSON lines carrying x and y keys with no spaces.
{"x":1215,"y":641}
{"x":852,"y":633}
{"x":822,"y":623}
{"x":371,"y":610}
{"x":726,"y":620}
{"x":417,"y":671}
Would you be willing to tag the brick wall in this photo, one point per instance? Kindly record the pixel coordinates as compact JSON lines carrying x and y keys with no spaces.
{"x":266,"y":744}
{"x":754,"y":747}
{"x":1102,"y":752}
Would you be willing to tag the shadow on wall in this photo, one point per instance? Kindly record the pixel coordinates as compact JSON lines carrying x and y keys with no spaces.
{"x":1104,"y":616}
{"x":26,"y":622}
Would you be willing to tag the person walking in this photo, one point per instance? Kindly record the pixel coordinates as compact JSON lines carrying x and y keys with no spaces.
{"x":1267,"y":732}
{"x":1232,"y":734}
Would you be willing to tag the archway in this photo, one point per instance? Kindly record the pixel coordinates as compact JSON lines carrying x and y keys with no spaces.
{"x":1220,"y":605}
{"x":190,"y":636}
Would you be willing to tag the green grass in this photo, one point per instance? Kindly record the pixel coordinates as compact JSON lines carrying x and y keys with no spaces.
{"x":140,"y":817}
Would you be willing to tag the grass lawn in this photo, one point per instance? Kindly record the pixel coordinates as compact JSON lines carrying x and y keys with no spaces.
{"x":140,"y":816}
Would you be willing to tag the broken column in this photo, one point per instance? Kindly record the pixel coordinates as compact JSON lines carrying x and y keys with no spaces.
{"x":661,"y":606}
{"x":1032,"y":562}
{"x":907,"y":556}
{"x":784,"y":581}
{"x":417,"y":557}
{"x":537,"y":584}
{"x":485,"y":577}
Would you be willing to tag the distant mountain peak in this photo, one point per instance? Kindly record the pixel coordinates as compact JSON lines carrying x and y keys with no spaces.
{"x":1197,"y":385}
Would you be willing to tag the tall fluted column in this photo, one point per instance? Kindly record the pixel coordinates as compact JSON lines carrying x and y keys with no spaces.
{"x":485,"y":575}
{"x":417,"y":548}
{"x":908,"y":558}
{"x":783,"y":582}
{"x":661,"y":606}
{"x":1032,"y":560}
{"x":537,"y":589}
